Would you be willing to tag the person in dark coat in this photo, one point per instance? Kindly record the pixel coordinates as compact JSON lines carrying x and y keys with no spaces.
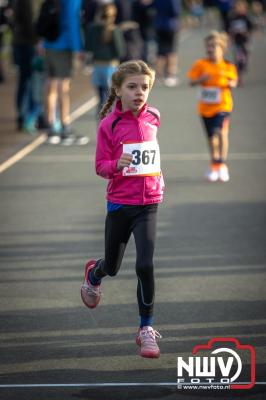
{"x":167,"y":28}
{"x":130,"y":29}
{"x":24,"y":41}
{"x":144,"y":14}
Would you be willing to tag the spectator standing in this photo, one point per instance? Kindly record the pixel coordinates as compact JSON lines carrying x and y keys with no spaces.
{"x":89,"y":11}
{"x":59,"y":63}
{"x":144,"y":14}
{"x":24,"y":41}
{"x":240,"y":29}
{"x":224,"y":7}
{"x":258,"y":17}
{"x":167,"y":27}
{"x":104,"y":40}
{"x":130,"y":29}
{"x":89,"y":14}
{"x":38,"y":120}
{"x":5,"y":13}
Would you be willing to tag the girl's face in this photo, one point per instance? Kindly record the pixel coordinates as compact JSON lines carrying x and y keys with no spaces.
{"x":134,"y":92}
{"x":214,"y":50}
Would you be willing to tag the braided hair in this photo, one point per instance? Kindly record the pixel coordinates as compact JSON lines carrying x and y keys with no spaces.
{"x":127,"y":68}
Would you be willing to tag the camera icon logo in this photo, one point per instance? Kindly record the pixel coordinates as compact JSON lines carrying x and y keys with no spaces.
{"x":222,"y":363}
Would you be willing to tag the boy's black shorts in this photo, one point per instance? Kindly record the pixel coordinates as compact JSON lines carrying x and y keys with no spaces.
{"x":211,"y":124}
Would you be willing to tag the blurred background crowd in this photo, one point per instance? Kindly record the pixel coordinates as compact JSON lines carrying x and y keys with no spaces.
{"x":44,"y":38}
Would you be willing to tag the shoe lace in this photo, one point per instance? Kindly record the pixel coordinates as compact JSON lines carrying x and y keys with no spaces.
{"x":148,"y":334}
{"x":91,"y":289}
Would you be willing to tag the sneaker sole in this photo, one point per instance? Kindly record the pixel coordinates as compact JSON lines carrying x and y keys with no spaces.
{"x":212,"y":180}
{"x":147,"y":354}
{"x":224,"y":180}
{"x":150,"y":355}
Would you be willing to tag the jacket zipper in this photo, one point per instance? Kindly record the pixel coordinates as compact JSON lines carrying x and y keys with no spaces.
{"x":142,"y":138}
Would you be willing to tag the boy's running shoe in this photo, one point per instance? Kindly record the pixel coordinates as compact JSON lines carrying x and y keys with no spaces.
{"x":224,"y":173}
{"x":146,"y":339}
{"x":213,"y":173}
{"x":90,"y":294}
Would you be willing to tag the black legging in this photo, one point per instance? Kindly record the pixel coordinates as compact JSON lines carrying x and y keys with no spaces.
{"x":119,"y":224}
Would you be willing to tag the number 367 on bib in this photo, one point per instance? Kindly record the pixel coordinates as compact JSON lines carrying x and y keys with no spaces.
{"x":146,"y":159}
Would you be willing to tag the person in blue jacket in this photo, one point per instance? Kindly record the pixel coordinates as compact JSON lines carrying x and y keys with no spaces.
{"x":59,"y":60}
{"x":224,"y":8}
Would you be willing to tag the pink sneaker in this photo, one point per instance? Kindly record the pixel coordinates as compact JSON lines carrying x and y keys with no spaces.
{"x":90,"y":294}
{"x":146,"y":339}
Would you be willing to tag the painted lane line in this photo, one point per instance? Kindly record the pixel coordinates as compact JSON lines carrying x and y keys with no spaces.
{"x":83,"y":109}
{"x":22,"y":153}
{"x":42,"y":138}
{"x":100,"y":385}
{"x":164,"y":157}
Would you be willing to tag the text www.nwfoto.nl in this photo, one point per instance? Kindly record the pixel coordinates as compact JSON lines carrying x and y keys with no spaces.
{"x":204,"y":387}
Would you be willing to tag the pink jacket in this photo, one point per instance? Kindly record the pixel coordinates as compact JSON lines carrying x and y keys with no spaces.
{"x":115,"y":129}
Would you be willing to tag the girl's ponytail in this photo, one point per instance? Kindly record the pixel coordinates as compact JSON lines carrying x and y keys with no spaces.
{"x":108,"y":104}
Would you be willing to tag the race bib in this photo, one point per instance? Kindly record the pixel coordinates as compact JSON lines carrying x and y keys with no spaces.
{"x":210,"y":95}
{"x":146,"y":159}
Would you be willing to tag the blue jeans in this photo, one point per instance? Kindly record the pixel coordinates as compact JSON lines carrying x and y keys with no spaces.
{"x":23,"y":56}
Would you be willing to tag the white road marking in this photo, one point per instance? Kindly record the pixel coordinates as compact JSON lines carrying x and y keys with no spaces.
{"x":42,"y":138}
{"x":22,"y":153}
{"x":102,"y":385}
{"x":99,"y":332}
{"x":83,"y":109}
{"x":165,"y":157}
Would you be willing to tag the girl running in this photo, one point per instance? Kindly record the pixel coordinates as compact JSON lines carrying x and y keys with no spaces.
{"x":127,"y":154}
{"x":216,"y":77}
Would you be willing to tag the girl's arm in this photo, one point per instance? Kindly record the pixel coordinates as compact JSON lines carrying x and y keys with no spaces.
{"x":105,"y":165}
{"x":200,"y":80}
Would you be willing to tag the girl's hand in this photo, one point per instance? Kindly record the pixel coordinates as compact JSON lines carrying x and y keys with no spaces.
{"x":124,"y":161}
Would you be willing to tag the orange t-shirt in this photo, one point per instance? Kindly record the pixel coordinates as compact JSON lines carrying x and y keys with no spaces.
{"x":215,"y":95}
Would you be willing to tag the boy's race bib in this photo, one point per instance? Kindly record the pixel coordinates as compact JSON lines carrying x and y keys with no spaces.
{"x":210,"y":95}
{"x":146,"y":159}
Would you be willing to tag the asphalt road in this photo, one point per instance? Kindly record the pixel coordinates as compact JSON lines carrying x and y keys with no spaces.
{"x":210,"y":257}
